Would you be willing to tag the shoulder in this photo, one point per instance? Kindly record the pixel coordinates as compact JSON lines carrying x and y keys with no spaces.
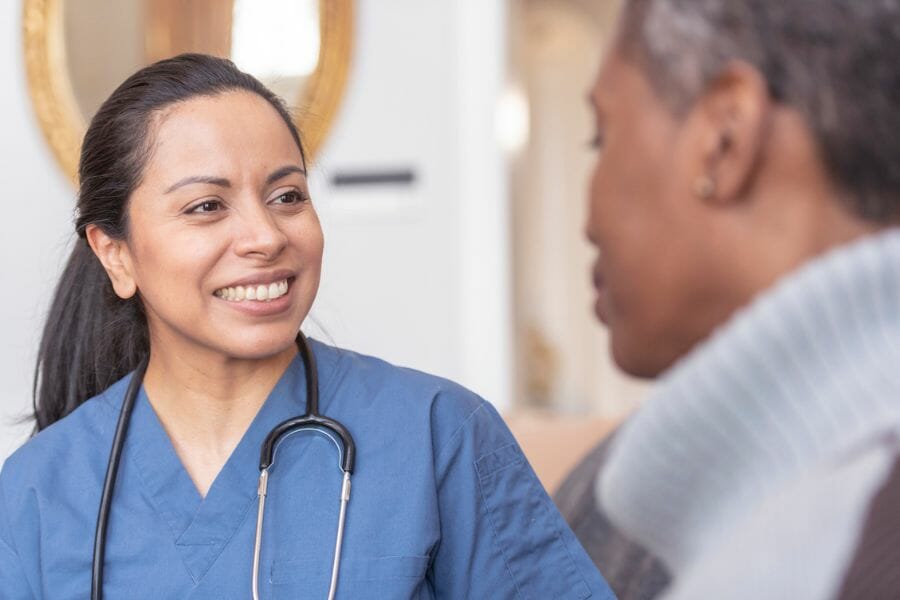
{"x":341,"y":367}
{"x":79,"y":437}
{"x":448,"y":406}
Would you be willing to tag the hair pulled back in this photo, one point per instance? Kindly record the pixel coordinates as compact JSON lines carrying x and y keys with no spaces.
{"x":92,"y":338}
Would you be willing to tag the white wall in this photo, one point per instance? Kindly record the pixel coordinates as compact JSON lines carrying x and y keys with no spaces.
{"x":34,"y":233}
{"x":408,"y":276}
{"x":562,"y":349}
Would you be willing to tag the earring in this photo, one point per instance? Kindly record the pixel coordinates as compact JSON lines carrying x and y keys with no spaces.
{"x":705,"y":188}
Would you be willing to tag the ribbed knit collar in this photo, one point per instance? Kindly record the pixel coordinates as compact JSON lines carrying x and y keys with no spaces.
{"x":804,"y":374}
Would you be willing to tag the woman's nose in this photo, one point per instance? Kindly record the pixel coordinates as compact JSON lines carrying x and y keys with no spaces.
{"x":259,"y":234}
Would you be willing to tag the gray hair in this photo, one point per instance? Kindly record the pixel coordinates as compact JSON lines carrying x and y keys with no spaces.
{"x":837,"y":62}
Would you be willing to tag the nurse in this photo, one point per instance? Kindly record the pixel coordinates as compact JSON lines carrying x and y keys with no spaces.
{"x":199,"y":247}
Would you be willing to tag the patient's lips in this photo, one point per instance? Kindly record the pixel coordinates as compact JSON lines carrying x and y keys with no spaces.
{"x":600,"y":301}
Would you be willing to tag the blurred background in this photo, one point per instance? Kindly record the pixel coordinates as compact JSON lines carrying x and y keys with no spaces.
{"x":450,"y":171}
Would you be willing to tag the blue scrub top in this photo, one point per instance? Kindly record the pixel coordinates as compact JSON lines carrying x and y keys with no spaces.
{"x":443,"y":504}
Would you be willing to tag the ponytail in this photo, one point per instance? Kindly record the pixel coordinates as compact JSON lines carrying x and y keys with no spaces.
{"x":92,"y":338}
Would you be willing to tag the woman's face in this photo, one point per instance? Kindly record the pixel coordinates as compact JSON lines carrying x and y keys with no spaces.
{"x":224,"y":246}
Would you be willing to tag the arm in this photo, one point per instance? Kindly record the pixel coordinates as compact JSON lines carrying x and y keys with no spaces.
{"x":501,"y":535}
{"x":13,"y":581}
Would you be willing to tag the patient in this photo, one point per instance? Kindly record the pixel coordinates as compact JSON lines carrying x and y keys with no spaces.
{"x":744,"y":207}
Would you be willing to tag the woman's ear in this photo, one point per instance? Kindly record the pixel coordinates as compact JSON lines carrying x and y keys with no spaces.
{"x":736,"y":109}
{"x":115,"y":257}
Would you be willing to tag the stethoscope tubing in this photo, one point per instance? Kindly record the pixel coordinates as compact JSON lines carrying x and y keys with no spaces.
{"x":310,"y":419}
{"x":109,"y":482}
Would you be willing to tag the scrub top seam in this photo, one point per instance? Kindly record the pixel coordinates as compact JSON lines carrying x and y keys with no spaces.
{"x":448,"y":446}
{"x":11,"y":549}
{"x":20,"y":564}
{"x":8,"y":527}
{"x":495,"y":535}
{"x":106,"y":397}
{"x":557,"y":532}
{"x":225,"y":543}
{"x":112,"y":412}
{"x":484,"y":501}
{"x":332,"y":382}
{"x":167,"y":522}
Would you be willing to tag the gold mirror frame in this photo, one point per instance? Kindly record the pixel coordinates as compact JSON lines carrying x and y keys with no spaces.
{"x":63,"y":125}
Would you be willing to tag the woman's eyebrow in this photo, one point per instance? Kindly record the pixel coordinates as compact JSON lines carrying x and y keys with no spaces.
{"x":284,"y":172}
{"x":219,"y":181}
{"x":222,"y":182}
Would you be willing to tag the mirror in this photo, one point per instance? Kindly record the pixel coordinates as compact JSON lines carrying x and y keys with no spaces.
{"x":78,"y":51}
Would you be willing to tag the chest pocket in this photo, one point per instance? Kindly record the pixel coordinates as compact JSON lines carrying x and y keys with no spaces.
{"x":385,"y":578}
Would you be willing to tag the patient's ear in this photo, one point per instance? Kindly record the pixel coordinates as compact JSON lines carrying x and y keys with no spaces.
{"x":115,"y":256}
{"x":735,"y":110}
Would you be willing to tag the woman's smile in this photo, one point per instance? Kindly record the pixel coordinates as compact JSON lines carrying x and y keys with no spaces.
{"x":259,"y":293}
{"x":260,"y":287}
{"x":259,"y":296}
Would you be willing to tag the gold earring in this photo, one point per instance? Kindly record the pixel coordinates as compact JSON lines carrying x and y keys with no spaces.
{"x":705,"y":188}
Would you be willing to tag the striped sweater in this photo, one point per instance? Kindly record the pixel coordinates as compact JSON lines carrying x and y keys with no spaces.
{"x":752,"y":469}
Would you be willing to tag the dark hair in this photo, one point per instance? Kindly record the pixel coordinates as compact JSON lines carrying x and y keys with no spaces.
{"x":92,"y":337}
{"x":834,"y":61}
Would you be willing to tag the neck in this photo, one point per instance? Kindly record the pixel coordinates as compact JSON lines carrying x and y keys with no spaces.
{"x":791,"y":213}
{"x":206,"y":401}
{"x":796,"y":382}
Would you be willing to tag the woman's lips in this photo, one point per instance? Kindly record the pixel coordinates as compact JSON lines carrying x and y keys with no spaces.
{"x":261,"y":292}
{"x":262,"y":278}
{"x":258,"y":300}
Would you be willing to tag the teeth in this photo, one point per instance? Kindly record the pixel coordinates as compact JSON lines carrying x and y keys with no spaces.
{"x":263,"y":293}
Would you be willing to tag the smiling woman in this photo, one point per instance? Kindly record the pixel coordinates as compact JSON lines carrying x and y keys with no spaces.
{"x":202,"y":214}
{"x":198,"y":259}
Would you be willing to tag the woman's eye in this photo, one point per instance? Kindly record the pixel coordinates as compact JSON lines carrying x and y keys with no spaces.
{"x":207,"y":206}
{"x":289,"y":198}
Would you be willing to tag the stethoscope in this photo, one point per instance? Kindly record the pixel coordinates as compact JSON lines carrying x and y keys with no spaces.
{"x":310,"y":420}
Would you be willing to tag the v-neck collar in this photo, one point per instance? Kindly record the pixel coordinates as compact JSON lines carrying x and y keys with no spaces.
{"x":202,"y":527}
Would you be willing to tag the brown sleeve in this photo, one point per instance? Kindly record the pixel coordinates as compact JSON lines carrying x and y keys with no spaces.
{"x":874,"y":572}
{"x":631,"y":571}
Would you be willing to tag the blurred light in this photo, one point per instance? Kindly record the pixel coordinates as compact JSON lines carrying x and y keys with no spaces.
{"x":513,"y":120}
{"x":275,"y":38}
